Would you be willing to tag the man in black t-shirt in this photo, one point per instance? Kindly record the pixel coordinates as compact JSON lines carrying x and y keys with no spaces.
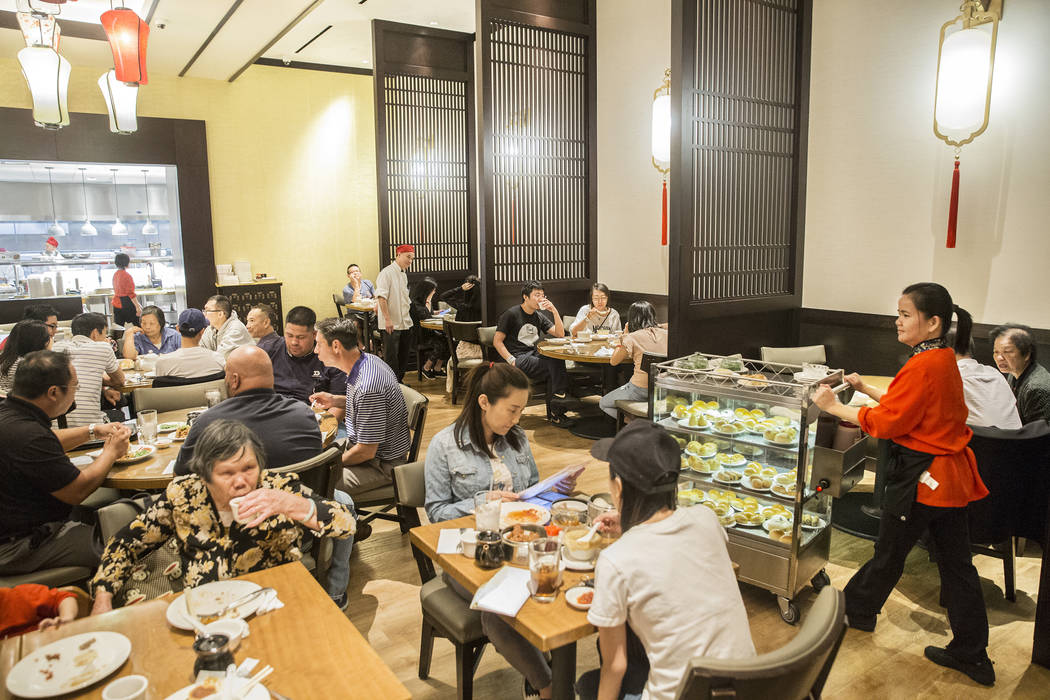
{"x":297,"y":370}
{"x":38,"y":484}
{"x":517,"y":332}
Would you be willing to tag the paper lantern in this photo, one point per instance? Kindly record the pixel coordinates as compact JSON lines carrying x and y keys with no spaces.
{"x":39,"y":31}
{"x":40,"y":7}
{"x":127,"y":35}
{"x":661,"y":143}
{"x":47,"y":74}
{"x":121,"y":101}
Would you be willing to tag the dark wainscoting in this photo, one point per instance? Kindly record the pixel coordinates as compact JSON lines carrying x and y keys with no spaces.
{"x":67,"y":307}
{"x":178,"y":142}
{"x":622,"y":300}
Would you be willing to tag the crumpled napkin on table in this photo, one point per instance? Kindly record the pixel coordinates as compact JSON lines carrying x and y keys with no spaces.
{"x":270,"y":602}
{"x":604,"y":351}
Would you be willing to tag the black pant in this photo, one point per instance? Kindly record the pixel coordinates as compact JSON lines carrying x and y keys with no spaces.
{"x":869,"y":588}
{"x":126,"y":313}
{"x":396,"y":348}
{"x":539,"y":367}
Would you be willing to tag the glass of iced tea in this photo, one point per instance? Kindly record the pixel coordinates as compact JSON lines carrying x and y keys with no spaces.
{"x":545,"y":569}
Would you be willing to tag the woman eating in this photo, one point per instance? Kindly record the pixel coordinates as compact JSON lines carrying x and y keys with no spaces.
{"x":486,"y":450}
{"x":598,"y":316}
{"x":126,"y":307}
{"x":273,"y":514}
{"x":642,"y":334}
{"x":658,"y":537}
{"x":155,"y":336}
{"x":932,"y":476}
{"x":26,"y":336}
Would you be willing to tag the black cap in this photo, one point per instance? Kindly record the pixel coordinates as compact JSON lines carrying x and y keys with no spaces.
{"x":644,"y":455}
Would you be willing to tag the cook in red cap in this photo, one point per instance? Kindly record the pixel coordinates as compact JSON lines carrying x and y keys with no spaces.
{"x":405,"y":248}
{"x":53,"y":242}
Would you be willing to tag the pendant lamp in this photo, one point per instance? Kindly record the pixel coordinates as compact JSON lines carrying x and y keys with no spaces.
{"x":121,"y":101}
{"x":661,"y":141}
{"x":54,"y":229}
{"x":39,"y":30}
{"x":87,"y":229}
{"x":41,"y":8}
{"x":119,"y":229}
{"x":150,"y":229}
{"x":127,"y":35}
{"x":47,"y":74}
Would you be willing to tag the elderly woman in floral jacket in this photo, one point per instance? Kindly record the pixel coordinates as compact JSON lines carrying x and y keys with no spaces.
{"x":272,"y":511}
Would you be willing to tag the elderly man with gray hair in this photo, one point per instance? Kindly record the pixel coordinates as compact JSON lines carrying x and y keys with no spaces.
{"x":252,"y":519}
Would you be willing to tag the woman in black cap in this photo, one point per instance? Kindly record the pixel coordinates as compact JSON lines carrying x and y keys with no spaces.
{"x":633,"y":576}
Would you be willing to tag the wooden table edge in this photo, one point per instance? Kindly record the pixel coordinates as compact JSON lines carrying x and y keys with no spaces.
{"x":548,"y":350}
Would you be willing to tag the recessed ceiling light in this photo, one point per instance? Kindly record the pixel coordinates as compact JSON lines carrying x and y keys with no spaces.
{"x":366,"y":61}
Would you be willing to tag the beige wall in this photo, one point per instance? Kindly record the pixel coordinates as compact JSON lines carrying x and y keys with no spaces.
{"x":634,"y":49}
{"x":879,"y":180}
{"x":291,"y":162}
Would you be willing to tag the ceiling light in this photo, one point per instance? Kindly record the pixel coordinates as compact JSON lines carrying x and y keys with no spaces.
{"x":119,"y":229}
{"x":39,"y":30}
{"x":150,"y":229}
{"x":433,"y":24}
{"x":54,"y":229}
{"x":47,"y":74}
{"x":41,"y":8}
{"x":121,"y":101}
{"x":127,"y":35}
{"x":87,"y":229}
{"x":365,"y":61}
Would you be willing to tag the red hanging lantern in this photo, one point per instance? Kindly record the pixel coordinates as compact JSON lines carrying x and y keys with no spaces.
{"x":127,"y":35}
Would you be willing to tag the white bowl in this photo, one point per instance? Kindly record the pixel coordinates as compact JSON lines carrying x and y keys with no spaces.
{"x":233,"y":629}
{"x":126,"y":688}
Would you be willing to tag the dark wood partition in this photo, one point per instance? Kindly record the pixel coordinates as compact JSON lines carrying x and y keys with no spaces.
{"x":739,"y":91}
{"x":178,"y":142}
{"x":538,"y":145}
{"x":425,"y":148}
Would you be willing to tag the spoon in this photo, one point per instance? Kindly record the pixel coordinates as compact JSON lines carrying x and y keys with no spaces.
{"x":589,"y":537}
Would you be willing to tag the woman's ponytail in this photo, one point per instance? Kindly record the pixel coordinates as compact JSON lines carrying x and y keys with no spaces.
{"x":963,"y":329}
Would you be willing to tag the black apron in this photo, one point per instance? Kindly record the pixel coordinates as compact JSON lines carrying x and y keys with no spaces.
{"x":902,"y":479}
{"x":126,"y":312}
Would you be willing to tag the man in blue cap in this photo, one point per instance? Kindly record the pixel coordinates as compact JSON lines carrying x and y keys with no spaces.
{"x":191,"y":361}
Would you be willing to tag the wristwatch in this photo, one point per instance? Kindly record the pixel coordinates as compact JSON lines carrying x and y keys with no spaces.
{"x":91,"y":432}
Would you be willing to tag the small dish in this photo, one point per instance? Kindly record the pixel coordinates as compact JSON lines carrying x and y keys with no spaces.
{"x":233,"y":629}
{"x":580,"y":597}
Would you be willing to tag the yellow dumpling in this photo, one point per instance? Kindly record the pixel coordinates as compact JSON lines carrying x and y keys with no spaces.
{"x":679,"y":412}
{"x":742,"y":413}
{"x":694,"y":447}
{"x":758,"y":413}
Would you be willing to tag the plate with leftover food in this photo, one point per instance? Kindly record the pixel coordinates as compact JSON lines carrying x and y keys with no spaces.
{"x":68,"y":665}
{"x":212,"y":598}
{"x":211,"y":687}
{"x":137,"y":453}
{"x":580,"y":597}
{"x":519,"y":513}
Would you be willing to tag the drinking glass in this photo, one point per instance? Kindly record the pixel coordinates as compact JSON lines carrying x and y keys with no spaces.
{"x":486,"y":510}
{"x":213,"y":397}
{"x":545,"y":569}
{"x":147,"y":426}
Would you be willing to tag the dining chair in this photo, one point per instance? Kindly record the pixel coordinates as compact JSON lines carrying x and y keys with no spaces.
{"x":162,"y":382}
{"x":455,"y":333}
{"x":171,"y":398}
{"x":340,"y":305}
{"x":485,"y":337}
{"x":814,"y":354}
{"x":637,"y":409}
{"x":52,"y":578}
{"x":376,"y":502}
{"x":798,"y":669}
{"x":445,"y":613}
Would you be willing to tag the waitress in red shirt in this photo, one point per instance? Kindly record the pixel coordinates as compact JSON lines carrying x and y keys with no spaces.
{"x":126,"y":308}
{"x":932,"y":476}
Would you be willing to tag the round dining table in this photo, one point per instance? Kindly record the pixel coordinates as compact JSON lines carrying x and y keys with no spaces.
{"x":593,"y":352}
{"x":367,"y":314}
{"x":157,"y":471}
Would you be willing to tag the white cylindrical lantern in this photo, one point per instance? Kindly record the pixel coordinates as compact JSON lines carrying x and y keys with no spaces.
{"x":962,"y":81}
{"x":121,"y":101}
{"x":47,"y":74}
{"x":38,"y":30}
{"x":661,"y":136}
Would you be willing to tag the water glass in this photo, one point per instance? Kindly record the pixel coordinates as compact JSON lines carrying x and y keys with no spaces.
{"x":212,"y":397}
{"x":147,"y":426}
{"x":486,"y":510}
{"x":545,"y":569}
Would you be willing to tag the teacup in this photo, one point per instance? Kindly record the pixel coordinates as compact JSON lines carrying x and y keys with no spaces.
{"x":468,"y":543}
{"x":584,"y":336}
{"x":234,"y":630}
{"x":126,"y":688}
{"x":235,"y":509}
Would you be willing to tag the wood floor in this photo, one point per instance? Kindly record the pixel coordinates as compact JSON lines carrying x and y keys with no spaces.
{"x":384,"y":595}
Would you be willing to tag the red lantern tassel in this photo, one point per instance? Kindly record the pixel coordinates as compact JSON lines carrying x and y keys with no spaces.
{"x":953,"y":206}
{"x":663,"y":227}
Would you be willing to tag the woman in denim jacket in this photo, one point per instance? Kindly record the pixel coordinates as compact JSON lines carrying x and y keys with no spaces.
{"x":485,"y":449}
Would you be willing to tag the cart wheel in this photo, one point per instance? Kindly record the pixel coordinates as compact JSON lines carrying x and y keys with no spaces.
{"x":788,"y":610}
{"x":820,"y":580}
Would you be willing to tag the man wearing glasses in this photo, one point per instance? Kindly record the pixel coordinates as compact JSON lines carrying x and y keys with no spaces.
{"x":226,"y":331}
{"x":40,"y":312}
{"x":38,"y":484}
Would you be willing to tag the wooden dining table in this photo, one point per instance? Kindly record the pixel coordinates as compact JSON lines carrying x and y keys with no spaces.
{"x":316,"y":652}
{"x":552,"y":627}
{"x":601,"y":425}
{"x":434,"y":323}
{"x":153,"y":473}
{"x":367,"y":314}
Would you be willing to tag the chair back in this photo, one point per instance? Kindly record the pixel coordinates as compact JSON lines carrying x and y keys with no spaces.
{"x":161,"y":382}
{"x":115,"y":516}
{"x":795,"y":356}
{"x":172,"y":398}
{"x":417,"y":418}
{"x":1015,"y":466}
{"x":796,"y":670}
{"x":567,"y":321}
{"x":340,"y":305}
{"x":486,"y":334}
{"x":410,"y":487}
{"x":319,"y":473}
{"x":466,"y":331}
{"x":648,"y":358}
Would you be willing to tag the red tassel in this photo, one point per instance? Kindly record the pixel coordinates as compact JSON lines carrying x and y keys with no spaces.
{"x":953,"y":206}
{"x":663,"y":228}
{"x":512,"y":218}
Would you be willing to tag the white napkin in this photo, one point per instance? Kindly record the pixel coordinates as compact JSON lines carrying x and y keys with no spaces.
{"x":82,"y":460}
{"x":504,"y":593}
{"x":269,"y":603}
{"x":859,"y":399}
{"x":449,"y":539}
{"x":170,"y":469}
{"x":604,"y":351}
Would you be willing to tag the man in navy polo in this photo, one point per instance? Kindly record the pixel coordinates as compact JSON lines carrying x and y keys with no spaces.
{"x":297,"y":370}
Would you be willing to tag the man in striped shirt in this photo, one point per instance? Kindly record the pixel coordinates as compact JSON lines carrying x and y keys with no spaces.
{"x":96,"y":366}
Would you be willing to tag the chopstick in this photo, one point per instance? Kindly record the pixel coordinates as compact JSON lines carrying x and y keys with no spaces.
{"x":254,"y":681}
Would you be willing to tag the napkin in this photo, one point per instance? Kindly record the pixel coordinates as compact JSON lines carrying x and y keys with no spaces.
{"x":449,"y":539}
{"x":170,"y":469}
{"x":82,"y":460}
{"x":859,"y":399}
{"x":504,"y":593}
{"x":604,"y":351}
{"x":270,"y":602}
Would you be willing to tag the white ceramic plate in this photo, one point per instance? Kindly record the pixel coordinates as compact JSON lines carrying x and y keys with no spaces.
{"x":572,"y":597}
{"x":169,"y":427}
{"x":706,"y":467}
{"x":575,"y":564}
{"x":150,"y":451}
{"x":777,"y":442}
{"x":727,"y":461}
{"x":820,"y":525}
{"x":79,"y":663}
{"x":684,"y":422}
{"x":751,"y":523}
{"x":782,"y":493}
{"x":259,"y":692}
{"x":558,"y":341}
{"x":746,"y":481}
{"x":726,"y":481}
{"x":218,"y":595}
{"x":729,"y":433}
{"x":776,"y":522}
{"x":542,"y":516}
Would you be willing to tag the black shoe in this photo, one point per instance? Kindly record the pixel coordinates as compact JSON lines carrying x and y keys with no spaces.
{"x":364,"y":531}
{"x":561,"y":420}
{"x":864,"y":623}
{"x":342,"y":601}
{"x":428,"y":374}
{"x":562,"y":403}
{"x":979,"y":672}
{"x":872,"y":512}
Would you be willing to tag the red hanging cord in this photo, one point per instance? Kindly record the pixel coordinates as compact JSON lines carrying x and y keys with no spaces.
{"x":663,"y":227}
{"x":953,"y":206}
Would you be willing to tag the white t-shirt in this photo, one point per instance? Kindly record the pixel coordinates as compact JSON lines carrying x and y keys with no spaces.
{"x":190,"y":363}
{"x":609,"y":323}
{"x":989,"y":397}
{"x":91,"y":359}
{"x":672,"y":581}
{"x":225,"y":340}
{"x":392,"y":285}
